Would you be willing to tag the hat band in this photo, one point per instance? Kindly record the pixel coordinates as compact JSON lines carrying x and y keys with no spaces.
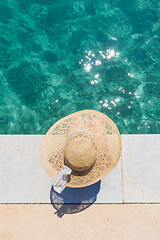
{"x":75,"y":132}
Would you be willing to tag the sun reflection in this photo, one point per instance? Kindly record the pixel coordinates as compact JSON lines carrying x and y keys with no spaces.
{"x":110,"y":103}
{"x":103,"y":56}
{"x":97,"y":75}
{"x":146,"y":125}
{"x":90,"y":58}
{"x":94,"y":82}
{"x":105,"y":105}
{"x":87,"y":67}
{"x":89,"y":53}
{"x":111,"y":53}
{"x":122,"y":90}
{"x":131,"y":75}
{"x":98,"y":62}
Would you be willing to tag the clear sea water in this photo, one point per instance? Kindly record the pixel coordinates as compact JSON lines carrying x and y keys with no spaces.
{"x":62,"y":56}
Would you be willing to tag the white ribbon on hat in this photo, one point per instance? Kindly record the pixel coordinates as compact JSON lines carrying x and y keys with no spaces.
{"x":60,"y":181}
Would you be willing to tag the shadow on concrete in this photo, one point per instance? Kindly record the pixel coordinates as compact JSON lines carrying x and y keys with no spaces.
{"x":74,"y":200}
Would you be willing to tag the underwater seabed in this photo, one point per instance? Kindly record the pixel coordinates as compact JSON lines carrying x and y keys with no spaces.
{"x":59,"y":57}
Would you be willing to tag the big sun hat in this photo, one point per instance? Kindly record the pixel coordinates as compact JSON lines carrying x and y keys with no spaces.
{"x":88,"y":142}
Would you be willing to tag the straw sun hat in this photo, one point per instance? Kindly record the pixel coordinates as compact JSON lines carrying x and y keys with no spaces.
{"x":87,"y":141}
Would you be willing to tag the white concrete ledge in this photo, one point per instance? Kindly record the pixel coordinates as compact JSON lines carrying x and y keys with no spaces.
{"x":22,"y":176}
{"x":141,"y":168}
{"x":24,"y":180}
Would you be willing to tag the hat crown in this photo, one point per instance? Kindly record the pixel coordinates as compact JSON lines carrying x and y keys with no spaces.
{"x":80,"y":151}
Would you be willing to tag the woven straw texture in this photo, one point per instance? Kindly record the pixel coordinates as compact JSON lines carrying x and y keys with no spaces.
{"x":107,"y":138}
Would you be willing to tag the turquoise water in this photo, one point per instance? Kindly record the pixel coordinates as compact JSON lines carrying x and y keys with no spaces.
{"x":58,"y":57}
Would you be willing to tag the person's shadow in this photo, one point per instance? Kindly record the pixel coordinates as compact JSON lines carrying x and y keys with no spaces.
{"x":73,"y":200}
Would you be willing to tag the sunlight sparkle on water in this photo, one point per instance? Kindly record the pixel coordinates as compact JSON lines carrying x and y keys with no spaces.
{"x":105,"y":105}
{"x":97,"y":75}
{"x":87,"y":67}
{"x":111,"y":53}
{"x":89,"y":53}
{"x":117,"y":100}
{"x":98,"y":62}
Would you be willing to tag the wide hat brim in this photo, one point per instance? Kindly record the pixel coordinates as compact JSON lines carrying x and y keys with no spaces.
{"x":107,"y":138}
